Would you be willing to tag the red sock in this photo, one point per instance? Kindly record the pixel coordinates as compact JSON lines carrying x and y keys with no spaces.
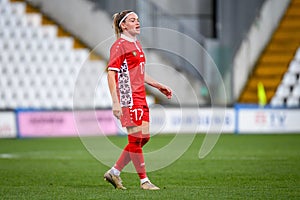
{"x":136,"y":153}
{"x":124,"y":158}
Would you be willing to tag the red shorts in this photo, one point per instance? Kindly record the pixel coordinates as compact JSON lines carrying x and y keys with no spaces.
{"x":135,"y":115}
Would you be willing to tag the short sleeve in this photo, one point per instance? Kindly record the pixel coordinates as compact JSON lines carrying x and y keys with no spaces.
{"x":117,"y":56}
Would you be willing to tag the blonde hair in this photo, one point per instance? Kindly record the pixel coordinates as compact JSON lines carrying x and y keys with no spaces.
{"x":117,"y":17}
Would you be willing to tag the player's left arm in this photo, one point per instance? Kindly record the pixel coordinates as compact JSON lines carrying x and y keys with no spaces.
{"x":162,"y":88}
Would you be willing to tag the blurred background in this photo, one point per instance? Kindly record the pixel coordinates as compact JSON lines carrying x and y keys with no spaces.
{"x":49,"y":50}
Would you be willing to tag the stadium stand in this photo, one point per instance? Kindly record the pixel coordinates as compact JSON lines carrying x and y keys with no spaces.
{"x":39,"y":64}
{"x":290,"y":83}
{"x":278,"y":67}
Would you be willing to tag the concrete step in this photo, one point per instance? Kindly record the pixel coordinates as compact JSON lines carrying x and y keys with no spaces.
{"x":271,"y":58}
{"x":270,"y":70}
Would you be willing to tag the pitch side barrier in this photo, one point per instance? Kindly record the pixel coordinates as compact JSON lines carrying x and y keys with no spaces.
{"x":192,"y":120}
{"x":240,"y":119}
{"x":8,"y":125}
{"x":253,"y":119}
{"x":47,"y":123}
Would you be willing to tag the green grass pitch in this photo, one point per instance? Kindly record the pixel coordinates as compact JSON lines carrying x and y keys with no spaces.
{"x":239,"y":167}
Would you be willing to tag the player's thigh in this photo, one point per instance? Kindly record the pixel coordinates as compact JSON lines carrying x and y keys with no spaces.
{"x":145,"y":127}
{"x":134,"y":129}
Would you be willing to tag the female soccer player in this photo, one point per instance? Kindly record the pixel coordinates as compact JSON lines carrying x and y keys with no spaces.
{"x":126,"y":78}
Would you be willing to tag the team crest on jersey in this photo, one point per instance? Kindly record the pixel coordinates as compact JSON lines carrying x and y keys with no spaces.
{"x":134,"y":53}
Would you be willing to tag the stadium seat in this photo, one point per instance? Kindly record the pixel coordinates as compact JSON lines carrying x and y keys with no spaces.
{"x":297,"y":55}
{"x":25,"y":57}
{"x":289,"y":79}
{"x":292,"y":102}
{"x":283,"y":91}
{"x":17,"y":8}
{"x":34,"y":20}
{"x":48,"y":32}
{"x":18,"y":46}
{"x":39,"y":69}
{"x":42,"y":45}
{"x":4,"y":2}
{"x":81,"y":56}
{"x":296,"y":91}
{"x":4,"y":33}
{"x":4,"y":57}
{"x":4,"y":7}
{"x":294,"y":66}
{"x":65,"y":44}
{"x":8,"y":22}
{"x":13,"y":21}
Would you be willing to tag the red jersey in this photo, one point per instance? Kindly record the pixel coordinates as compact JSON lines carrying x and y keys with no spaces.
{"x":128,"y":59}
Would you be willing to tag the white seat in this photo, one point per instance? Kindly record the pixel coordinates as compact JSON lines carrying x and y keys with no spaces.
{"x":28,"y":45}
{"x":16,"y":34}
{"x":34,"y":20}
{"x":3,"y":79}
{"x":24,"y":57}
{"x":4,"y":7}
{"x":58,"y":57}
{"x":11,"y":57}
{"x":10,"y":100}
{"x":54,"y":46}
{"x":48,"y":31}
{"x":4,"y":33}
{"x":45,"y":58}
{"x":18,"y":8}
{"x":13,"y":21}
{"x":3,"y":2}
{"x":15,"y":8}
{"x":4,"y":57}
{"x":277,"y":102}
{"x":40,"y":45}
{"x":8,"y":69}
{"x":297,"y":55}
{"x":292,"y":102}
{"x":289,"y":79}
{"x":9,"y":22}
{"x":24,"y":33}
{"x":296,"y":91}
{"x":30,"y":33}
{"x":10,"y":45}
{"x":2,"y":105}
{"x":81,"y":55}
{"x":65,"y":43}
{"x":294,"y":66}
{"x":283,"y":91}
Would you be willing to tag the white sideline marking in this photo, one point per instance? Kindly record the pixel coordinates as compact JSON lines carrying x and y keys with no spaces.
{"x":8,"y":156}
{"x":34,"y":155}
{"x":246,"y":158}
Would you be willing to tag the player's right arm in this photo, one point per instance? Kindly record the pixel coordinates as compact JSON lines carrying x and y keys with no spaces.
{"x":116,"y":107}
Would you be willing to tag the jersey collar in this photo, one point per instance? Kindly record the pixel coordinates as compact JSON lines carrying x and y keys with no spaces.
{"x":128,"y":38}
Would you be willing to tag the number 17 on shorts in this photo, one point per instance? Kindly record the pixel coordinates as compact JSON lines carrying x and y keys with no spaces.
{"x":134,"y":116}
